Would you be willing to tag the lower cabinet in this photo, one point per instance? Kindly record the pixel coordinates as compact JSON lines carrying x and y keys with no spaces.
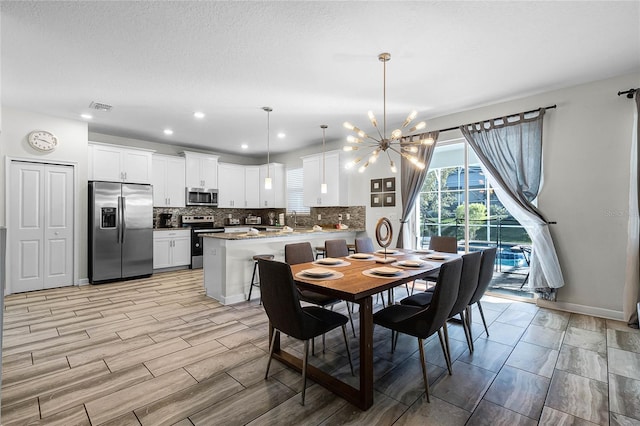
{"x":171,"y":248}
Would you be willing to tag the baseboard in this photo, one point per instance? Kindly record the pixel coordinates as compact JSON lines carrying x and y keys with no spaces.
{"x":229,"y":300}
{"x":582,"y":309}
{"x":82,"y":281}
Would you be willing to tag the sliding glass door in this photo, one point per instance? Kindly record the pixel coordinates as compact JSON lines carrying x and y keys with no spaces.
{"x":454,"y":176}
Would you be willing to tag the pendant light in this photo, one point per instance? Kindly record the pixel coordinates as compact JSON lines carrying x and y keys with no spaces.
{"x":323,"y":186}
{"x":267,"y":180}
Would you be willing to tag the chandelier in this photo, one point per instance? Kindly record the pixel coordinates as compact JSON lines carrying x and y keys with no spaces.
{"x":380,"y":143}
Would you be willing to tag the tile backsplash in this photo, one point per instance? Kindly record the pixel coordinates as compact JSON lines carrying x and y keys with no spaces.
{"x":329,"y":215}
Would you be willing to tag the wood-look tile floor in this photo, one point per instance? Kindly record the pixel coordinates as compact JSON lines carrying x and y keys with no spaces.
{"x":157,"y":351}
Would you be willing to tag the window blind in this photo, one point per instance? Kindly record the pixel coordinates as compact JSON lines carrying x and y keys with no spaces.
{"x":295,"y":191}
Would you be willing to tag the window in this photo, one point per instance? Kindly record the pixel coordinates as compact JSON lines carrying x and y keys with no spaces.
{"x":295,"y":191}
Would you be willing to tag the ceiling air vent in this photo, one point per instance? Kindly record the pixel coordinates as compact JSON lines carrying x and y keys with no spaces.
{"x":100,"y":106}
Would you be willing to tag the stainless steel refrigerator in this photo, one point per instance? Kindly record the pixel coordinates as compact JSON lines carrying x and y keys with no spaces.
{"x":120,"y":231}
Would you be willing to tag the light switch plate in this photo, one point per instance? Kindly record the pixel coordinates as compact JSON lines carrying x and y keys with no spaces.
{"x":348,"y":216}
{"x":319,"y":217}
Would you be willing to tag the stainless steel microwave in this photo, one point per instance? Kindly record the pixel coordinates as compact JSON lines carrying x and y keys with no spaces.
{"x":202,"y":197}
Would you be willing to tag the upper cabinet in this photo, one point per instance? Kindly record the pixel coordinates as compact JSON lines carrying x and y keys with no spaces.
{"x":168,"y":181}
{"x":252,"y":187}
{"x":202,"y":170}
{"x":231,"y":189}
{"x":114,"y":163}
{"x":335,"y":177}
{"x":276,"y":196}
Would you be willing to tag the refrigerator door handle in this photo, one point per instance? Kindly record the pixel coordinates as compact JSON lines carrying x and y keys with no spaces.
{"x":124,"y":222}
{"x":119,"y":221}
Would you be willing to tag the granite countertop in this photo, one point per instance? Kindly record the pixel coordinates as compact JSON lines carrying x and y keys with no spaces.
{"x":174,"y":228}
{"x":275,"y":234}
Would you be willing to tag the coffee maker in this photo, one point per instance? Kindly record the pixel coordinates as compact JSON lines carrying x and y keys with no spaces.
{"x":165,"y":220}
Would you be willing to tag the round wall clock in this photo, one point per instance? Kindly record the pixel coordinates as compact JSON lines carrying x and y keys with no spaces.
{"x":43,"y":140}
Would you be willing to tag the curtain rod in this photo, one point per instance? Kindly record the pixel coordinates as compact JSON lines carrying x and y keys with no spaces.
{"x":497,"y":118}
{"x":629,"y":93}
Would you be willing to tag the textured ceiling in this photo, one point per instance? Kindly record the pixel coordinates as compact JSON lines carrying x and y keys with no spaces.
{"x":312,"y":62}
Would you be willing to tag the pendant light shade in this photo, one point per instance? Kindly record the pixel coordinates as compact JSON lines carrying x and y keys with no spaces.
{"x":323,"y":186}
{"x":267,"y":181}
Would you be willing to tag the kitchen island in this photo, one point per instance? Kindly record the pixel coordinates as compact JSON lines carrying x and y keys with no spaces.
{"x":228,"y":263}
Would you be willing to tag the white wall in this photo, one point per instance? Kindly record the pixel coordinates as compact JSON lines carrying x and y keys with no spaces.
{"x":72,"y":149}
{"x":586,"y":146}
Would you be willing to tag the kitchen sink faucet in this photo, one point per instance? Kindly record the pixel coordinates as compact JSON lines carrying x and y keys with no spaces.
{"x":295,"y":218}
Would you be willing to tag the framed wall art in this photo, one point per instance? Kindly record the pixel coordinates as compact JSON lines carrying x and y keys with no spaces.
{"x":389,"y":184}
{"x":376,"y":185}
{"x":376,"y":200}
{"x":389,"y":199}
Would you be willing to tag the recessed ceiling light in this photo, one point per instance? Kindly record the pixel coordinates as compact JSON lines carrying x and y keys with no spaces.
{"x":168,"y":132}
{"x":244,"y":146}
{"x":281,"y":135}
{"x":86,"y":116}
{"x":198,"y":114}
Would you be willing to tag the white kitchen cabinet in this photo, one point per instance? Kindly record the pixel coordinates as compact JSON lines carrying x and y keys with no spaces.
{"x":276,"y":196}
{"x":168,"y":181}
{"x":171,"y":248}
{"x":115,"y":163}
{"x":252,"y":187}
{"x":231,"y":185}
{"x":202,"y":170}
{"x":336,"y":179}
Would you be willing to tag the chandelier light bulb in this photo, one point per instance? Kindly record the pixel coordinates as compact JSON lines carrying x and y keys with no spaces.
{"x":348,"y":125}
{"x":396,"y":134}
{"x":410,"y":118}
{"x":421,"y":125}
{"x":372,"y":118}
{"x":267,"y":183}
{"x":353,"y":139}
{"x":374,"y":156}
{"x":428,"y":141}
{"x":349,"y":148}
{"x":393,"y":167}
{"x":363,"y":167}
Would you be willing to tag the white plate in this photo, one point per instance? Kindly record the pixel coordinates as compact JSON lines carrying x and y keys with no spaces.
{"x":412,"y":263}
{"x":423,"y":251}
{"x":436,"y":257}
{"x":318,"y":272}
{"x":361,"y":256}
{"x":386,"y":270}
{"x":329,"y":261}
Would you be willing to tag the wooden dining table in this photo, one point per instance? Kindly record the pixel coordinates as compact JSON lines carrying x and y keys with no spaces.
{"x":357,"y":285}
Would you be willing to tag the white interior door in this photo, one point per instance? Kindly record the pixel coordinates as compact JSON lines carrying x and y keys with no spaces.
{"x":41,"y":226}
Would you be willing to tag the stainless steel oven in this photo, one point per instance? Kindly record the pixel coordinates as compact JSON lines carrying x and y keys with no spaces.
{"x":199,"y":225}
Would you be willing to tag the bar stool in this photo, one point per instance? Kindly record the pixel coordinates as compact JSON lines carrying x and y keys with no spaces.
{"x":319,"y":252}
{"x":255,"y":283}
{"x":351,"y":248}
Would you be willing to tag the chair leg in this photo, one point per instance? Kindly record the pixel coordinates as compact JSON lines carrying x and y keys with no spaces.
{"x":313,"y":346}
{"x":395,"y":341}
{"x":346,"y":343}
{"x":467,"y":334}
{"x":323,"y":344}
{"x":445,"y":351}
{"x":304,"y":368}
{"x":351,"y":318}
{"x":423,"y":364}
{"x":482,"y":316}
{"x":271,"y":346}
{"x":406,"y":285}
{"x":253,"y":277}
{"x":445,"y":331}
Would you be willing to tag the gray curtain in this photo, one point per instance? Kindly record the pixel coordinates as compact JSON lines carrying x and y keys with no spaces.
{"x":411,"y":180}
{"x":633,"y":319}
{"x":511,"y":154}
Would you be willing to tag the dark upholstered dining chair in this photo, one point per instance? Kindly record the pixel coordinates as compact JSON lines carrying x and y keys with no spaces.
{"x":468,"y":285}
{"x":336,"y":248}
{"x":281,"y":303}
{"x":364,"y":245}
{"x":423,"y":322}
{"x":443,"y":244}
{"x":486,"y":274}
{"x":301,"y":253}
